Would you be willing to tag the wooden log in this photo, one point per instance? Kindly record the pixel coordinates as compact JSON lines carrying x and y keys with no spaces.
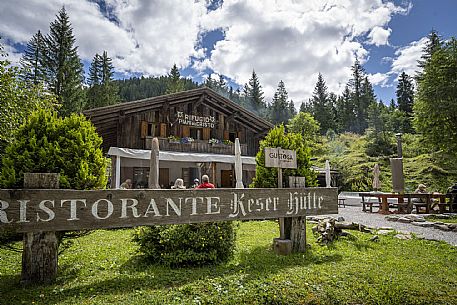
{"x":298,"y":234}
{"x":153,"y":181}
{"x":40,"y":250}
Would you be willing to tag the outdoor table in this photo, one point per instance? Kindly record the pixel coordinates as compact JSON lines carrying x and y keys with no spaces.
{"x":402,"y":205}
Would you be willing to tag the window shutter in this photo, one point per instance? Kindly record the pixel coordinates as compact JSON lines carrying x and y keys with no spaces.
{"x":186,"y":131}
{"x":206,"y":133}
{"x":144,"y":129}
{"x":163,"y":130}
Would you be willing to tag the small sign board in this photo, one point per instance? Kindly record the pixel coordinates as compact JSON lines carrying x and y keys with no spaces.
{"x":282,"y":158}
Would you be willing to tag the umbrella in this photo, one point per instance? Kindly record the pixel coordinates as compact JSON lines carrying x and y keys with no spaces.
{"x":376,"y":181}
{"x":328,"y":177}
{"x":238,"y":165}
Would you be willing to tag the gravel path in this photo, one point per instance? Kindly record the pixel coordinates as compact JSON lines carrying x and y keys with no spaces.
{"x":353,"y":213}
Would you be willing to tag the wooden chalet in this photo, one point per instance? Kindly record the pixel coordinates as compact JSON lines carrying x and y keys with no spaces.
{"x":196,"y":130}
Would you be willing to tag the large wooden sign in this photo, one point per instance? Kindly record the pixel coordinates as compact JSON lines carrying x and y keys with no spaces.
{"x":66,"y":210}
{"x":196,"y":120}
{"x":282,"y":158}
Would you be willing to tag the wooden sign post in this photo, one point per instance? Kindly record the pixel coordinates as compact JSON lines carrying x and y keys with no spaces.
{"x":40,"y":249}
{"x":34,"y":211}
{"x":292,"y":230}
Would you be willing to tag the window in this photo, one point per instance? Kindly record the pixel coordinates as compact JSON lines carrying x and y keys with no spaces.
{"x":196,"y":133}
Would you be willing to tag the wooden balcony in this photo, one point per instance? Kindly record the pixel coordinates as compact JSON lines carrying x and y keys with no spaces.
{"x":197,"y":146}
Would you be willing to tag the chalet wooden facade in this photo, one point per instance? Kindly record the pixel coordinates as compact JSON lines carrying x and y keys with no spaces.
{"x":196,"y":130}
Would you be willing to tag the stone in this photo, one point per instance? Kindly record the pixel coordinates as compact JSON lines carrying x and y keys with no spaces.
{"x":282,"y":246}
{"x":452,"y":226}
{"x":384,"y":232}
{"x":425,"y":224}
{"x":403,"y":236}
{"x":441,"y":216}
{"x":415,"y":218}
{"x":385,"y":228}
{"x":442,"y":227}
{"x":392,"y":218}
{"x":375,"y":238}
{"x":404,"y":220}
{"x":340,"y":219}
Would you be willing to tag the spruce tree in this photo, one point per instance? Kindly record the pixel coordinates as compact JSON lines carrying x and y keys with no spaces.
{"x":175,"y":83}
{"x":64,"y":70}
{"x":321,"y":105}
{"x":254,"y":94}
{"x":32,"y":60}
{"x":434,"y":107}
{"x":279,"y":111}
{"x":103,"y":91}
{"x":405,"y":98}
{"x":355,"y":86}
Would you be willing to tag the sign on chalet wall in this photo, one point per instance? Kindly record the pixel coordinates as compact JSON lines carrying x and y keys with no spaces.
{"x":195,"y":120}
{"x":62,"y":210}
{"x":278,"y":157}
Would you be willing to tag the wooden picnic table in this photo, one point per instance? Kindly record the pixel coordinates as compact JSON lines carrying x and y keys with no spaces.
{"x":404,"y":207}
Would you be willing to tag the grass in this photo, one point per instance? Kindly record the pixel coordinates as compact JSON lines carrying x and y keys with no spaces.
{"x":104,"y":268}
{"x":452,"y":219}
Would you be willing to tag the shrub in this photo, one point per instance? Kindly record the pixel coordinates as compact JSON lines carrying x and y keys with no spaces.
{"x":49,"y":144}
{"x":188,"y":244}
{"x":267,"y":177}
{"x":46,"y":143}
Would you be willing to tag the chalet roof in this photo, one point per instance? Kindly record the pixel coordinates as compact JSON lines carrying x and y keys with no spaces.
{"x":109,"y":115}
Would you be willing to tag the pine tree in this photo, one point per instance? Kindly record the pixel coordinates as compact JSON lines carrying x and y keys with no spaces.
{"x":254,"y":92}
{"x":279,"y":111}
{"x":32,"y":60}
{"x":434,"y":107}
{"x":434,"y":43}
{"x":64,"y":70}
{"x":345,"y":111}
{"x":405,"y":98}
{"x":321,"y":105}
{"x":94,"y":71}
{"x":175,"y":83}
{"x":355,"y":86}
{"x":102,"y":91}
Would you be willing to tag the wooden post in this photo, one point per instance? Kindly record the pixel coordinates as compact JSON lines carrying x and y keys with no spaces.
{"x":153,"y":181}
{"x":40,"y":253}
{"x":283,"y":245}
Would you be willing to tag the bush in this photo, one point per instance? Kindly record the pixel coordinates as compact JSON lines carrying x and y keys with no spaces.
{"x":49,"y":144}
{"x":188,"y":244}
{"x":267,"y":177}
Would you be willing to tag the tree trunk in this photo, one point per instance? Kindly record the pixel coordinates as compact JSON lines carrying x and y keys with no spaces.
{"x":40,"y":253}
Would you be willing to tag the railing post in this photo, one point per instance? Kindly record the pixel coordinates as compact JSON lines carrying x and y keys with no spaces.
{"x":40,"y":250}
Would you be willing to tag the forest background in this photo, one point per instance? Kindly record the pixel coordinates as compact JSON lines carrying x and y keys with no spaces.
{"x":354,"y":130}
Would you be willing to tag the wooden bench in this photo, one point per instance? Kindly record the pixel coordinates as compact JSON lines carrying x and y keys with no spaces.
{"x":450,"y":206}
{"x":368,"y":203}
{"x":341,"y":202}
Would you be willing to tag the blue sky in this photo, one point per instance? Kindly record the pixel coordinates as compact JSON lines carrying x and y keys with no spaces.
{"x":289,"y":40}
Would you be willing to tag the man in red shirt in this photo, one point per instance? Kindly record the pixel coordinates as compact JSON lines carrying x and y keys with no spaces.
{"x":205,"y":183}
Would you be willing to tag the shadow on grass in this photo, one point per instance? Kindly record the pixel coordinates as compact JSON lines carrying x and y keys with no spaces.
{"x":138,"y":273}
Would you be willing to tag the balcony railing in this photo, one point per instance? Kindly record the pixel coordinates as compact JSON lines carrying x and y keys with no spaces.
{"x":198,"y":146}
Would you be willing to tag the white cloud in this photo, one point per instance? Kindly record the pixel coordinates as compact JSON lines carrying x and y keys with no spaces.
{"x":407,"y":57}
{"x":289,"y":40}
{"x":379,"y":79}
{"x":295,"y":40}
{"x":379,"y":36}
{"x":148,"y":37}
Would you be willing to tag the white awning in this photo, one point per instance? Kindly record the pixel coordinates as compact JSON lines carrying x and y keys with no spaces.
{"x":177,"y":156}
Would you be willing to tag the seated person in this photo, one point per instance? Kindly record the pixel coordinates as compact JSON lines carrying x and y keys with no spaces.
{"x":421,"y":189}
{"x":453,"y":190}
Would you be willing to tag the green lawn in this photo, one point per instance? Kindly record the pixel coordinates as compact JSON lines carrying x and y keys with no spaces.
{"x":104,"y":268}
{"x":445,"y":220}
